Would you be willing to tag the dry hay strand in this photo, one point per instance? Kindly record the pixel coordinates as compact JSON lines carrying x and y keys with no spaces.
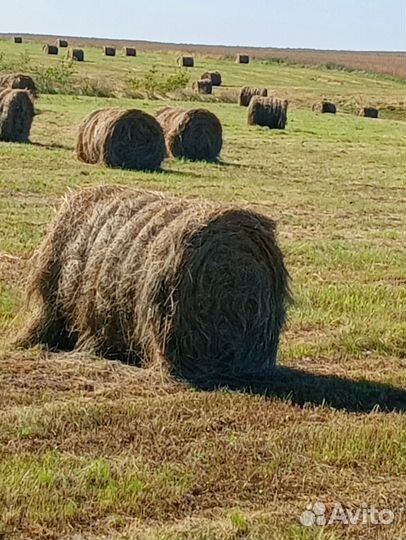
{"x":17,"y":39}
{"x":19,"y":81}
{"x":186,"y":61}
{"x":186,"y":287}
{"x":129,"y":51}
{"x":203,"y":86}
{"x":62,"y":43}
{"x":195,"y":134}
{"x":369,"y":112}
{"x":76,"y":54}
{"x":109,"y":51}
{"x":325,"y":107}
{"x":214,"y":76}
{"x":50,"y":49}
{"x":248,"y":92}
{"x":16,"y":115}
{"x":127,"y":138}
{"x":268,"y":112}
{"x":242,"y":59}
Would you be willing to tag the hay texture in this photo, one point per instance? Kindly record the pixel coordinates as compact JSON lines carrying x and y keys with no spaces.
{"x":186,"y":61}
{"x":109,"y":51}
{"x":187,"y":286}
{"x":242,"y":59}
{"x":19,"y":81}
{"x":76,"y":54}
{"x":16,"y":115}
{"x":213,"y":76}
{"x":17,"y":39}
{"x":325,"y":107}
{"x":195,"y":134}
{"x":268,"y":112}
{"x":127,"y":138}
{"x":129,"y":51}
{"x":203,"y":86}
{"x":50,"y":49}
{"x":369,"y":112}
{"x":62,"y":43}
{"x":248,"y":92}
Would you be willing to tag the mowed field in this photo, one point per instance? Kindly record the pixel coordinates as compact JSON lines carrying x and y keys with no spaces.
{"x":111,"y":451}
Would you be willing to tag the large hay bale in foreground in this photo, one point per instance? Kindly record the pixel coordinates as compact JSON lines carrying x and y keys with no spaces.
{"x":127,"y":138}
{"x":203,"y":86}
{"x":369,"y":112}
{"x":77,"y":55}
{"x":186,"y":61}
{"x":19,"y":81}
{"x":268,"y":112}
{"x":242,"y":59}
{"x":109,"y":51}
{"x":16,"y":115}
{"x":129,"y":51}
{"x":214,"y":76}
{"x":62,"y":43}
{"x":184,"y":285}
{"x":325,"y":107}
{"x":248,"y":92}
{"x":17,"y":39}
{"x":50,"y":49}
{"x":191,"y":133}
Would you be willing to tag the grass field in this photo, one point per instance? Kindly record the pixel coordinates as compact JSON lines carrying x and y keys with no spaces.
{"x":110,"y":451}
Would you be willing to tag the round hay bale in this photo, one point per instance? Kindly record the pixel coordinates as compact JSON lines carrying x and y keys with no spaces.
{"x":369,"y":112}
{"x":325,"y":107}
{"x":77,"y":55}
{"x":186,"y":61}
{"x":109,"y":51}
{"x":203,"y":86}
{"x":50,"y":49}
{"x":16,"y":115}
{"x":19,"y":81}
{"x":186,"y":286}
{"x":127,"y":138}
{"x":17,"y":39}
{"x":213,"y":76}
{"x":195,"y":134}
{"x":268,"y":112}
{"x":247,"y":92}
{"x":62,"y":43}
{"x":129,"y":51}
{"x":242,"y":59}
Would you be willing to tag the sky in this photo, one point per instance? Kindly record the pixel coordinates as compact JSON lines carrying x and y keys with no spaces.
{"x":322,"y":24}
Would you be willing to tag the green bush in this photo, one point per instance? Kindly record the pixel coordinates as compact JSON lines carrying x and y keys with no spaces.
{"x":154,"y":82}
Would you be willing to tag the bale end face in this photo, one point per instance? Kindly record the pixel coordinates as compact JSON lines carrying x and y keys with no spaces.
{"x":325,"y":107}
{"x":109,"y":51}
{"x":62,"y":43}
{"x":213,"y":76}
{"x":369,"y":112}
{"x":50,"y":49}
{"x":17,"y":39}
{"x":186,"y":61}
{"x":129,"y":51}
{"x":16,"y":115}
{"x":199,"y":289}
{"x":242,"y":59}
{"x":203,"y":86}
{"x":77,"y":55}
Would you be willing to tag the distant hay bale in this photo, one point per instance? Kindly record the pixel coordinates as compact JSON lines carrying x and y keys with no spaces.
{"x":19,"y":81}
{"x":325,"y":107}
{"x":76,"y":54}
{"x":62,"y":43}
{"x":268,"y":112}
{"x":186,"y":61}
{"x":17,"y":39}
{"x":127,"y":138}
{"x":183,"y":286}
{"x":248,"y":92}
{"x":129,"y":51}
{"x":203,"y":86}
{"x":50,"y":49}
{"x":369,"y":112}
{"x":16,"y":115}
{"x":242,"y":59}
{"x":109,"y":51}
{"x":214,"y":76}
{"x":195,"y":134}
